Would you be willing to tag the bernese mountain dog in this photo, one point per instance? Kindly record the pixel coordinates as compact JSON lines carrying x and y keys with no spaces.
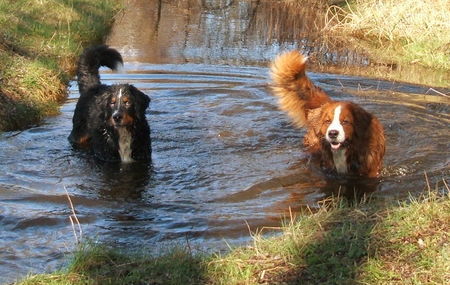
{"x":347,"y":139}
{"x":109,"y":120}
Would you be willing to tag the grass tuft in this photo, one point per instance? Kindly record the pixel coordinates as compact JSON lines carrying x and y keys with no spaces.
{"x":410,"y":245}
{"x":405,"y":31}
{"x":104,"y":265}
{"x":39,"y":43}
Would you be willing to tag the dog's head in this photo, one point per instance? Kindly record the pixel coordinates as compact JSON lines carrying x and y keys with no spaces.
{"x":125,"y":105}
{"x":342,"y":123}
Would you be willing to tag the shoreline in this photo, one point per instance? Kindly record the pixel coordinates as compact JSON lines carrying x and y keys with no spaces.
{"x":342,"y":243}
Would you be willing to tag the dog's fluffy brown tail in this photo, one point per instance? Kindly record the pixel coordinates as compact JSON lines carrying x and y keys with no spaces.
{"x":296,"y":93}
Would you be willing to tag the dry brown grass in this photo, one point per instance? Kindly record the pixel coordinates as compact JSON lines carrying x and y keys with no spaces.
{"x":409,"y":31}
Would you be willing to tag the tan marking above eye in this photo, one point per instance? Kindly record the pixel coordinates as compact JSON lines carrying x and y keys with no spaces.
{"x":125,"y":100}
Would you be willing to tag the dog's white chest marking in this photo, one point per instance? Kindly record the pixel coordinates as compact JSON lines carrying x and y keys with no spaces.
{"x":125,"y":145}
{"x":340,"y":161}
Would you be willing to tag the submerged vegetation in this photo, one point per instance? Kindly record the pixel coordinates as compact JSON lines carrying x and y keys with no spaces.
{"x":39,"y":43}
{"x":396,"y":31}
{"x":407,"y":243}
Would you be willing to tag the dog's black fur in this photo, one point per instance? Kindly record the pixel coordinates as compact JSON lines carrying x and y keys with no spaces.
{"x":109,"y":120}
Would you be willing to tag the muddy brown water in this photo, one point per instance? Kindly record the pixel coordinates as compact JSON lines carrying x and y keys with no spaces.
{"x":224,"y":157}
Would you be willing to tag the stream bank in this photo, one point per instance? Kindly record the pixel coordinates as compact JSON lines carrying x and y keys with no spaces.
{"x":39,"y":45}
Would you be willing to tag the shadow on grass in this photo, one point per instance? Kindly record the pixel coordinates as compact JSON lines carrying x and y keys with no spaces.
{"x":341,"y":242}
{"x":335,"y":259}
{"x":336,"y":252}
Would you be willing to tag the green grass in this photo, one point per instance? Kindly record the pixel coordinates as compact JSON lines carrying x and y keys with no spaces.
{"x":98,"y":264}
{"x":316,"y":249}
{"x":400,"y":31}
{"x":411,"y":245}
{"x":39,"y":43}
{"x":406,"y":243}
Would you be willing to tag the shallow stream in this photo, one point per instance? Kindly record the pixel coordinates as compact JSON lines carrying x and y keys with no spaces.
{"x":224,"y":158}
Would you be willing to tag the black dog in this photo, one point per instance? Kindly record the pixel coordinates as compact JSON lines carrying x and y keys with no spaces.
{"x":109,"y":120}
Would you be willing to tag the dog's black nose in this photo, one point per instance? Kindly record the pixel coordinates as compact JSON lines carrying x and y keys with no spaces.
{"x":117,"y":117}
{"x":333,"y":134}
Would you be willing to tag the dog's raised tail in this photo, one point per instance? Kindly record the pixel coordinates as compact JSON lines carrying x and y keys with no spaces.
{"x":91,"y":60}
{"x":296,"y":93}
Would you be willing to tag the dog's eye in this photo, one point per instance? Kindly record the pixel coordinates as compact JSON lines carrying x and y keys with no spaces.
{"x":346,"y":122}
{"x":327,"y":121}
{"x":126,"y":101}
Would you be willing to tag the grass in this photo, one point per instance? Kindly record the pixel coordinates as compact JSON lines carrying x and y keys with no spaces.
{"x":98,"y":264}
{"x":406,"y":243}
{"x":411,"y":246}
{"x":39,"y":43}
{"x":397,"y":31}
{"x":314,"y":249}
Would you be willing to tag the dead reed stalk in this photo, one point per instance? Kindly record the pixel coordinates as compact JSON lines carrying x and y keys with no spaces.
{"x":74,"y":220}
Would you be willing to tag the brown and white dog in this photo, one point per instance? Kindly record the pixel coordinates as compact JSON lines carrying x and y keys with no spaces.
{"x":347,"y":139}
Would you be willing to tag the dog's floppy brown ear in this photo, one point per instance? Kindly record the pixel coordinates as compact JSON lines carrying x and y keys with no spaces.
{"x":141,"y":102}
{"x":362,"y":121}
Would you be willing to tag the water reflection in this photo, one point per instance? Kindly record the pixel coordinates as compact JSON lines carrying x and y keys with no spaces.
{"x":246,"y":32}
{"x":124,"y":181}
{"x":218,"y":31}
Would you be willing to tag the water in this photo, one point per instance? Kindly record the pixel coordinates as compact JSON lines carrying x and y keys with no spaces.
{"x":224,"y":157}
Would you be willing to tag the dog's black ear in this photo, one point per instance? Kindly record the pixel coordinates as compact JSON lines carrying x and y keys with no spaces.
{"x":141,"y":102}
{"x":100,"y":108}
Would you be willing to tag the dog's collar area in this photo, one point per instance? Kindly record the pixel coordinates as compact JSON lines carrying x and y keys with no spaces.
{"x":340,"y":160}
{"x":125,"y":138}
